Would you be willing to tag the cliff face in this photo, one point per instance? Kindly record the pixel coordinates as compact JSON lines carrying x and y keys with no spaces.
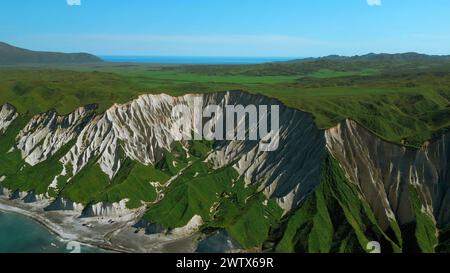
{"x":7,"y":115}
{"x":46,"y":133}
{"x":385,"y":172}
{"x":390,"y":178}
{"x":292,"y":171}
{"x":142,"y":128}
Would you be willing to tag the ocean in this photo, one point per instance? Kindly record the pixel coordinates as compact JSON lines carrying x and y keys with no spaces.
{"x":194,"y":60}
{"x":20,"y":234}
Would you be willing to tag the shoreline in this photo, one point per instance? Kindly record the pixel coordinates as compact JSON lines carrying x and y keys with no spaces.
{"x":51,"y":228}
{"x":52,"y":231}
{"x":101,"y":232}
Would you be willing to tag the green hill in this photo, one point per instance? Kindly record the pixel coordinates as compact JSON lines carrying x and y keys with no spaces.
{"x":11,"y":55}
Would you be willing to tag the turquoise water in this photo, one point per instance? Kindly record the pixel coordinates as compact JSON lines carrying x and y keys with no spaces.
{"x":193,"y":60}
{"x":20,"y":234}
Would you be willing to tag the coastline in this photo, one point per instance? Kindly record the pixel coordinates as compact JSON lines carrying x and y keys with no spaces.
{"x":100,"y":232}
{"x":11,"y":211}
{"x":52,"y":228}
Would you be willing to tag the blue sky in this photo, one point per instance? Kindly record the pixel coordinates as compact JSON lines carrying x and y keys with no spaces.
{"x":292,"y":28}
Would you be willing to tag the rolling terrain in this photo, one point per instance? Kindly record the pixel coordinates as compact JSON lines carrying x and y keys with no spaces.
{"x":329,"y":190}
{"x":11,"y":55}
{"x":363,"y":150}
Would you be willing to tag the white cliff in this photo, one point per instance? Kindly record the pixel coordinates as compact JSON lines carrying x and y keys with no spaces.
{"x":381,"y":170}
{"x":46,"y":133}
{"x":65,"y":205}
{"x":142,"y":128}
{"x":384,"y":171}
{"x":103,"y":209}
{"x":7,"y":115}
{"x":191,"y":227}
{"x":292,"y":171}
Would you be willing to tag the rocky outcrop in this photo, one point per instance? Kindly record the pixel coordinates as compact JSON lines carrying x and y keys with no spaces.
{"x":46,"y":133}
{"x":292,"y":171}
{"x":103,"y":209}
{"x":152,"y":228}
{"x":63,"y":204}
{"x":149,"y":228}
{"x":191,"y":227}
{"x":4,"y":192}
{"x":7,"y":115}
{"x":141,"y":126}
{"x":32,"y":197}
{"x":17,"y":195}
{"x":218,"y":242}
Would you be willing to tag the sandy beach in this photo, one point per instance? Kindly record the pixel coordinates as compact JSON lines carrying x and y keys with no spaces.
{"x":116,"y":234}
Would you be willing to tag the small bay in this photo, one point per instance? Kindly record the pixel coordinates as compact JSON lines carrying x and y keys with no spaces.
{"x":20,"y":234}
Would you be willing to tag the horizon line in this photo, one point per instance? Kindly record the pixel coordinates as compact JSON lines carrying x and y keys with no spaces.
{"x":293,"y":57}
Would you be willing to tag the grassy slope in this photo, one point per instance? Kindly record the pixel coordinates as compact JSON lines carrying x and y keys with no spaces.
{"x":37,"y":91}
{"x":425,"y":228}
{"x":334,"y":219}
{"x":222,"y":201}
{"x":247,"y":215}
{"x":10,"y":163}
{"x":406,"y":105}
{"x":133,"y":181}
{"x":14,"y":55}
{"x":218,"y":196}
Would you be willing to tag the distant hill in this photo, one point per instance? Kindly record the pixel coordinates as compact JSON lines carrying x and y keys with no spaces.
{"x":382,"y":57}
{"x":11,"y":55}
{"x":359,"y":64}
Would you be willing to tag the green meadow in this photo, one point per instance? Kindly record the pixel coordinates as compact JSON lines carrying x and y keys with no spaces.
{"x":405,"y":102}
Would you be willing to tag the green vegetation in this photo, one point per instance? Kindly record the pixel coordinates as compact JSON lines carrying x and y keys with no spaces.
{"x":33,"y":178}
{"x":11,"y":162}
{"x":136,"y":182}
{"x":404,"y":99}
{"x":401,"y":98}
{"x":37,"y":91}
{"x":222,"y":201}
{"x":247,"y":215}
{"x":189,"y":196}
{"x":21,"y":176}
{"x":334,"y":219}
{"x":11,"y":55}
{"x":87,"y":185}
{"x":174,"y":161}
{"x":133,"y":182}
{"x":218,"y":196}
{"x":425,"y":228}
